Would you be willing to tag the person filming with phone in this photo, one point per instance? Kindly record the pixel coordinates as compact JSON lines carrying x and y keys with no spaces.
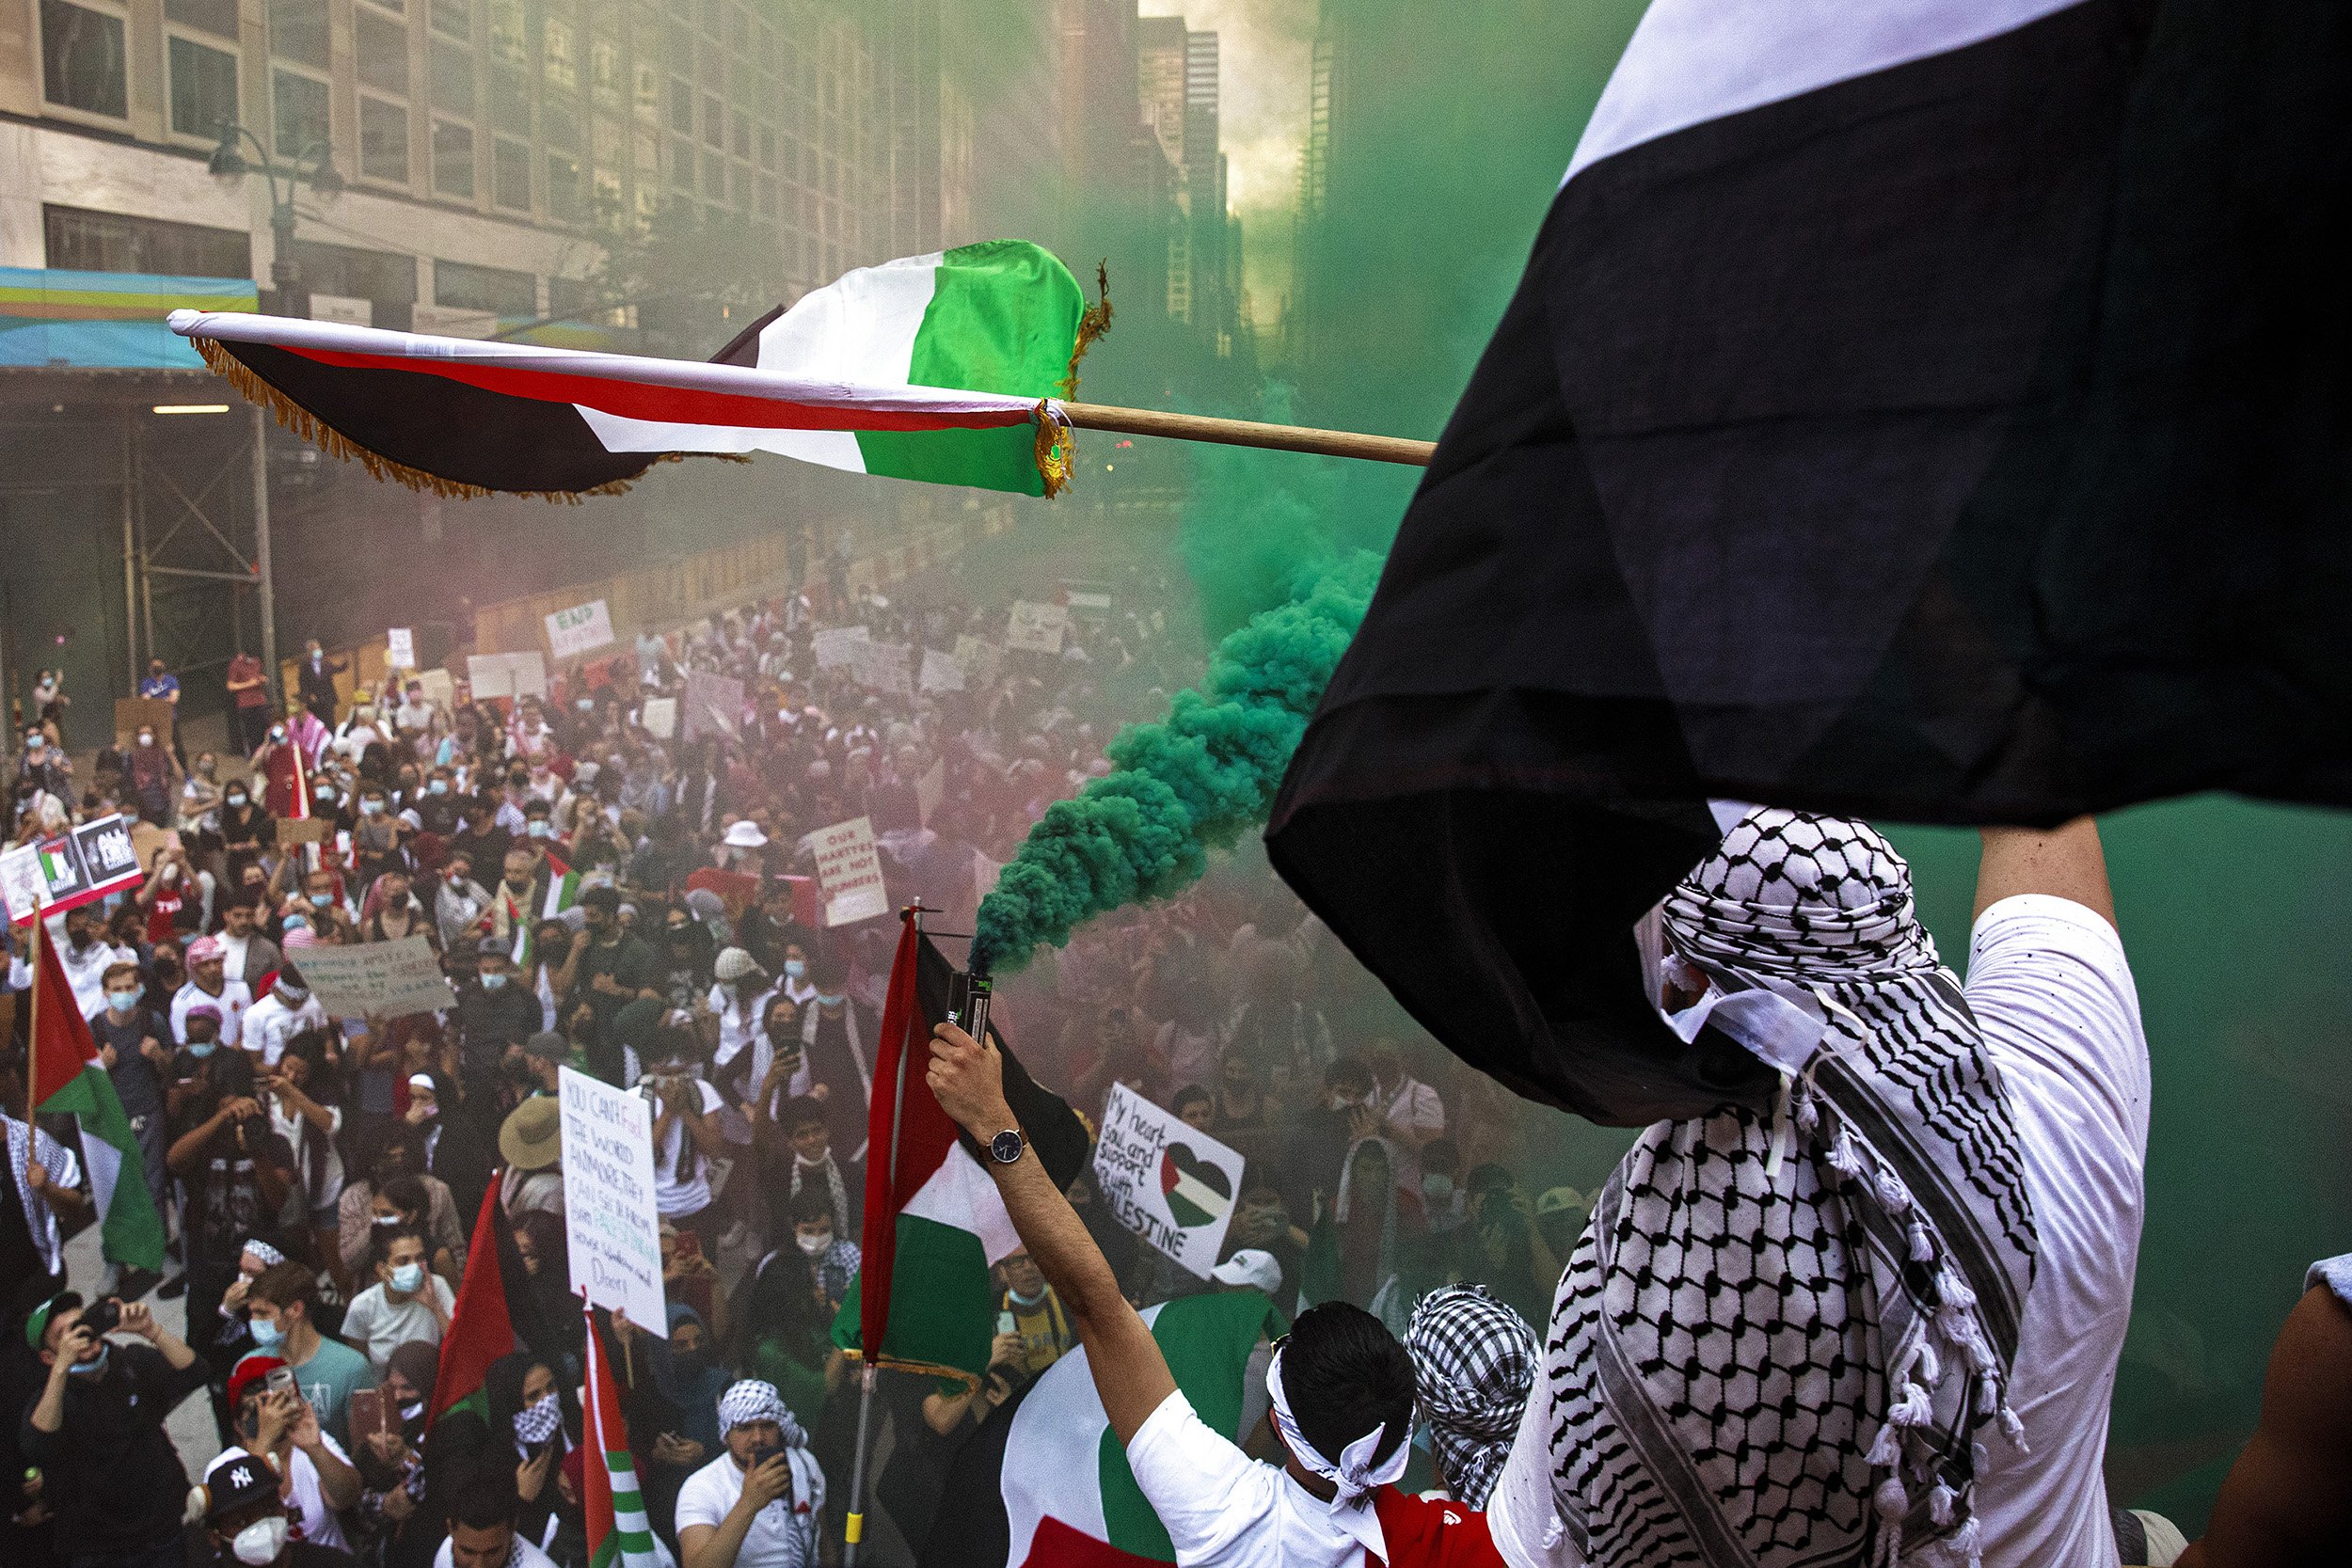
{"x":111,"y":1475}
{"x":757,"y":1504}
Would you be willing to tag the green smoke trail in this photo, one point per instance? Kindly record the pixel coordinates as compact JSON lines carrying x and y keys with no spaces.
{"x":1191,"y":783}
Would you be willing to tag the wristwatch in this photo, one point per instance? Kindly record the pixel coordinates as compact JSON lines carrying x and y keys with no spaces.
{"x":1004,"y":1147}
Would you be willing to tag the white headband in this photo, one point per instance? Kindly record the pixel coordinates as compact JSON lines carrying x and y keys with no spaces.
{"x":1353,"y":1475}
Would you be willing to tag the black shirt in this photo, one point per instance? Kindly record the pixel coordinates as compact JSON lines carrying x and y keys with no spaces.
{"x":110,"y":1473}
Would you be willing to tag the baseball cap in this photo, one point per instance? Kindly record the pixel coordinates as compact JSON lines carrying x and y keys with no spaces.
{"x":237,"y":1481}
{"x":549,"y":1046}
{"x":248,"y":1371}
{"x":1559,"y":1199}
{"x":498,"y":947}
{"x":1250,"y":1266}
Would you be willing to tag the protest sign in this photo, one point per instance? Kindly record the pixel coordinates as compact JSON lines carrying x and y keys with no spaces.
{"x":835,"y":646}
{"x":611,"y":1227}
{"x":24,"y":881}
{"x":388,"y":979}
{"x":1036,"y":628}
{"x":400,"y":648}
{"x":978,"y":658}
{"x":53,"y":874}
{"x":941,"y":673}
{"x":506,"y":675}
{"x":848,"y":872}
{"x":529,"y":673}
{"x":883,"y":667}
{"x":154,"y":712}
{"x":1168,"y":1182}
{"x":583,"y":628}
{"x":439,"y":690}
{"x":659,"y":717}
{"x":304,"y":829}
{"x":714,"y":705}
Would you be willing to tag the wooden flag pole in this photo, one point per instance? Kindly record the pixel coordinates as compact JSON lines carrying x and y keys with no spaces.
{"x":1248,"y":433}
{"x":32,"y":1045}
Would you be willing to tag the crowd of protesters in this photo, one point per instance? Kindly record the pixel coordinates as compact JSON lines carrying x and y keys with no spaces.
{"x":320,"y":1174}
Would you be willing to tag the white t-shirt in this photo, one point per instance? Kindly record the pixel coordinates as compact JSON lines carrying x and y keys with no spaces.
{"x":234,"y":998}
{"x":783,"y":1534}
{"x":379,"y":1325}
{"x":525,"y":1556}
{"x":677,"y":1158}
{"x":1221,"y":1507}
{"x":270,"y":1025}
{"x":2052,"y":992}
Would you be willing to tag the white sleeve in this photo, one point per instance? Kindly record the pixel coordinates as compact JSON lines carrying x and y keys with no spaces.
{"x":2052,"y":989}
{"x":1203,"y":1488}
{"x":713,"y":1100}
{"x":698,"y":1500}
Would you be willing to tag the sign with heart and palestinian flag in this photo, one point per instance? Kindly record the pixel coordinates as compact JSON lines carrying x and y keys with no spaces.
{"x":1165,"y":1179}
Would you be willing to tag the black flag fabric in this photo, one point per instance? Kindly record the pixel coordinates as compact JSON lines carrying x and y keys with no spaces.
{"x":1939,"y":410}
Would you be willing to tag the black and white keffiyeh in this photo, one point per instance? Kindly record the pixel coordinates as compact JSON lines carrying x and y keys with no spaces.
{"x":1776,"y":1340}
{"x":1473,"y":1367}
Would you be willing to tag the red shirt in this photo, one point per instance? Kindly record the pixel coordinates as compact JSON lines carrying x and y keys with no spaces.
{"x":244,"y":667}
{"x":1426,"y":1534}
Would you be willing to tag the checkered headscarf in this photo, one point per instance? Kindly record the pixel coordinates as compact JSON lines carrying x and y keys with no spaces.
{"x":1473,"y":1367}
{"x":754,"y":1401}
{"x":1777,"y":1339}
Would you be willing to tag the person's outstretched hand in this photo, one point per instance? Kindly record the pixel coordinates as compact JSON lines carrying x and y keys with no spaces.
{"x":968,"y":1078}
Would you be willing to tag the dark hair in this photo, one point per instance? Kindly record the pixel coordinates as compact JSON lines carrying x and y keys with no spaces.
{"x":547,"y":1234}
{"x":1345,"y":1374}
{"x":1441,"y":1154}
{"x":282,"y":1284}
{"x":811,"y":1202}
{"x":1191,"y":1094}
{"x":405,"y":1193}
{"x":485,"y":1499}
{"x":1347,"y":1073}
{"x":802,"y":1111}
{"x":827,"y":968}
{"x":381,"y":1242}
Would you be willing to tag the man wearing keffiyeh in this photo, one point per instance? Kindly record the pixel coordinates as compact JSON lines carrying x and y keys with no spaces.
{"x":1473,"y":1367}
{"x":755,"y":1505}
{"x":1828,"y":1332}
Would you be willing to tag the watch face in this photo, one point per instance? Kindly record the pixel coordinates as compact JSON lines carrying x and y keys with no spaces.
{"x":1006,"y":1147}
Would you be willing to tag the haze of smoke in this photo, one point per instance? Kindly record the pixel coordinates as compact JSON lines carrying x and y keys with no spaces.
{"x":1191,"y":783}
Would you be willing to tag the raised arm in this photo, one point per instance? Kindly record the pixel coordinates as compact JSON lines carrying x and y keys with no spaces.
{"x":1130,"y":1373}
{"x":2065,"y":863}
{"x":2290,"y":1492}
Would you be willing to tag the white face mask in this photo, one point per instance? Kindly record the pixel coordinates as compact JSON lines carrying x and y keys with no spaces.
{"x":258,"y":1544}
{"x":407,"y":1278}
{"x":815,"y":1247}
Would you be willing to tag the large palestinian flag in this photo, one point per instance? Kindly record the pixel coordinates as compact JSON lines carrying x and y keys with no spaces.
{"x":934,"y":368}
{"x":1045,"y":1481}
{"x":934,"y":1224}
{"x":1934,"y":409}
{"x":613,"y":1511}
{"x":67,"y":1077}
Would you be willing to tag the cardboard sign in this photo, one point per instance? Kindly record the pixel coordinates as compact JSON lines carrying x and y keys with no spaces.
{"x":439,"y":690}
{"x":1170,"y":1183}
{"x":1037,"y":628}
{"x":507,"y":674}
{"x":305,"y":829}
{"x":837,"y":645}
{"x":400,"y":648}
{"x":659,"y":717}
{"x":73,"y":869}
{"x":582,"y":628}
{"x":714,"y":705}
{"x":979,"y":660}
{"x":388,"y":979}
{"x":883,"y":667}
{"x":848,"y":872}
{"x":611,"y":1227}
{"x":131,"y":712}
{"x":941,"y":673}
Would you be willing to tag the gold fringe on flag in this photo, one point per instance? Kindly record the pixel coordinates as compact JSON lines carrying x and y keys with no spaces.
{"x":310,"y":427}
{"x":1057,"y":446}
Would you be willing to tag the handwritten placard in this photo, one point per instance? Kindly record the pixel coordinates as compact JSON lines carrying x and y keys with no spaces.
{"x":848,"y":872}
{"x":583,"y":628}
{"x":400,"y":648}
{"x":836,"y":647}
{"x":659,"y":717}
{"x":610,"y":1227}
{"x":941,"y":673}
{"x":389,"y":979}
{"x":1035,"y":628}
{"x":1165,"y":1181}
{"x":978,"y":658}
{"x":714,"y":705}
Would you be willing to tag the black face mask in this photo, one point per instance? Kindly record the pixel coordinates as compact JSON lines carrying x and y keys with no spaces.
{"x":690,"y":1363}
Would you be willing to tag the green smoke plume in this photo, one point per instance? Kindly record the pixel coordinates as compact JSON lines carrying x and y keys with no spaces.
{"x":1191,"y":783}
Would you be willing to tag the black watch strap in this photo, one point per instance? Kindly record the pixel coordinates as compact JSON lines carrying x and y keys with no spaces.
{"x":1006,"y":1147}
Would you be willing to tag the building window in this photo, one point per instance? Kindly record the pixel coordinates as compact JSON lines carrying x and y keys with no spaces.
{"x":649,"y":92}
{"x":565,"y":200}
{"x":574,"y":298}
{"x":509,"y":38}
{"x":715,"y":176}
{"x":681,"y":105}
{"x":510,"y":101}
{"x":742,"y":134}
{"x":452,"y":160}
{"x":510,"y":174}
{"x":383,"y":140}
{"x":383,"y":52}
{"x":217,"y":17}
{"x":298,"y":112}
{"x":203,"y":87}
{"x":297,"y":31}
{"x":452,"y":78}
{"x":714,"y":122}
{"x":563,"y":58}
{"x":453,"y":17}
{"x":463,"y":287}
{"x":559,"y":121}
{"x":85,"y":241}
{"x":81,"y":59}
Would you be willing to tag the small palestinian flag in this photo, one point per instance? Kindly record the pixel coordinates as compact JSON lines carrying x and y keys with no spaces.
{"x":619,"y":1534}
{"x":1198,"y":1192}
{"x":480,"y":1328}
{"x":563,"y":888}
{"x":934,"y":1224}
{"x":1927,"y":409}
{"x":1045,"y":1482}
{"x":937,"y":368}
{"x":67,"y":1077}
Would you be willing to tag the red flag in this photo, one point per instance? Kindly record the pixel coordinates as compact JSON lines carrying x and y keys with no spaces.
{"x":479,"y":1330}
{"x":885,"y":1192}
{"x":61,"y":1041}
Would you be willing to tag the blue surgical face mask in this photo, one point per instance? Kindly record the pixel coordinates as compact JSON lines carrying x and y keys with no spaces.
{"x":201,"y":1049}
{"x":371,"y":808}
{"x":538,"y":828}
{"x":267,"y":1332}
{"x":325,"y":793}
{"x":796,"y":969}
{"x":297,"y":922}
{"x":121,"y":1001}
{"x":495,"y":980}
{"x":92,"y":1368}
{"x":833,"y":1001}
{"x":407,"y":1278}
{"x":438,"y":786}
